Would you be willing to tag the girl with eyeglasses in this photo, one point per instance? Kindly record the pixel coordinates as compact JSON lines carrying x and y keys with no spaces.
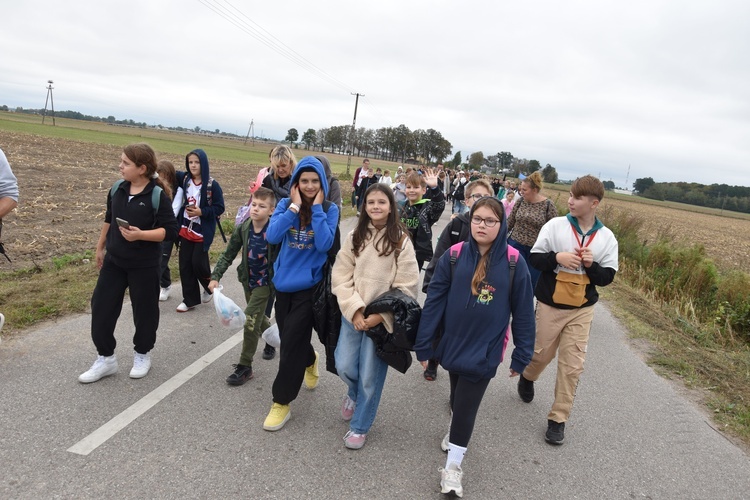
{"x":473,"y":300}
{"x":454,"y":232}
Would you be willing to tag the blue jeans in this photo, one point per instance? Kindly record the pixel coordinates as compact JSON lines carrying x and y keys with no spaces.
{"x":459,"y":207}
{"x":363,"y":372}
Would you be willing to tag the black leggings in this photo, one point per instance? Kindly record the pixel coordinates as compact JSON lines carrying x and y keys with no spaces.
{"x":465,"y":399}
{"x":195,"y":271}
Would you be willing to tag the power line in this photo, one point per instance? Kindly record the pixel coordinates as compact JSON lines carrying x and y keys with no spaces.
{"x":234,"y":16}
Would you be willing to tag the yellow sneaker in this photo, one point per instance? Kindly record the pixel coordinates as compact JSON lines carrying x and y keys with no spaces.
{"x":311,"y":374}
{"x":277,"y":417}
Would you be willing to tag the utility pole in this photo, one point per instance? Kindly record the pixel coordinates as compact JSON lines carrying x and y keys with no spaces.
{"x":351,"y":136}
{"x":627,"y":177}
{"x":249,"y":131}
{"x":51,"y":101}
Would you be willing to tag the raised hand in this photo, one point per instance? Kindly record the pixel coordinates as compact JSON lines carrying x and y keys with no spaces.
{"x":295,"y":195}
{"x":320,"y":197}
{"x":431,"y":178}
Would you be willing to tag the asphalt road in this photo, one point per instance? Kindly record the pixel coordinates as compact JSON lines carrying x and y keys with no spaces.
{"x":182,"y":432}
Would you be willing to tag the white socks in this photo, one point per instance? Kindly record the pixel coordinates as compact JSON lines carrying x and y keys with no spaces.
{"x":455,"y":455}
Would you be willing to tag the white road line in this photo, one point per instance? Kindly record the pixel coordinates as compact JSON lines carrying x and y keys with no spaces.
{"x":119,"y":422}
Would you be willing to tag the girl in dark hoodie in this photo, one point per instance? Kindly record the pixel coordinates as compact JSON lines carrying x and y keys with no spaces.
{"x":456,"y":231}
{"x":198,"y":218}
{"x":474,"y":299}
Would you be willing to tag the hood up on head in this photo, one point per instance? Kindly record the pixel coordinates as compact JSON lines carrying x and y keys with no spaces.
{"x":311,"y":164}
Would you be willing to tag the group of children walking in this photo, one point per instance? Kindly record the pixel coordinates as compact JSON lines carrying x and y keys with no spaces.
{"x":479,"y":289}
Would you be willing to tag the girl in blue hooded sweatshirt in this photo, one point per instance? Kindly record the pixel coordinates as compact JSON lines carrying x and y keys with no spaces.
{"x":474,"y":300}
{"x":305,"y":231}
{"x":203,"y":203}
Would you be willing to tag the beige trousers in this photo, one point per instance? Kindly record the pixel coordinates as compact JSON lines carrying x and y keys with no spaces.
{"x":564,"y":332}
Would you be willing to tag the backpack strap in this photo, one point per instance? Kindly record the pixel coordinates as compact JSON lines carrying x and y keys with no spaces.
{"x":455,"y":232}
{"x":334,"y":250}
{"x":454,"y":252}
{"x":115,"y":186}
{"x":512,"y":259}
{"x":155,"y":196}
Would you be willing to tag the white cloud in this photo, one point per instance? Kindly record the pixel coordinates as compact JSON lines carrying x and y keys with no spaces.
{"x":584,"y":85}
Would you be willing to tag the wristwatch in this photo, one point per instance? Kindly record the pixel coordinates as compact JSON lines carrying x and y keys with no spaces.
{"x":294,"y":206}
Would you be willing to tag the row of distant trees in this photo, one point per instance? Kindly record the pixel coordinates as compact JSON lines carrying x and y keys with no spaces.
{"x":76,"y":115}
{"x":722,"y":196}
{"x":401,"y":143}
{"x":386,"y":143}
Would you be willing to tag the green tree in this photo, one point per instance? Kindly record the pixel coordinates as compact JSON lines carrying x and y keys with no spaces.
{"x":292,"y":135}
{"x":456,"y":161}
{"x":549,"y":174}
{"x":609,"y":185}
{"x":533,"y":166}
{"x":476,"y":160}
{"x":506,"y":159}
{"x":640,"y":186}
{"x":309,"y":137}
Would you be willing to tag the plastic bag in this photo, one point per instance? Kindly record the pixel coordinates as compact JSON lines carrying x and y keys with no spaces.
{"x":271,"y":336}
{"x":242,"y":213}
{"x":229,"y":313}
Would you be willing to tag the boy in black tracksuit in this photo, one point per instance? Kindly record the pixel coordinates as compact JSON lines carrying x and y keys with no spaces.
{"x":424,"y":206}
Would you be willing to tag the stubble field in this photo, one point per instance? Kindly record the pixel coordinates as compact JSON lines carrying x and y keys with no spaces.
{"x":63,"y":193}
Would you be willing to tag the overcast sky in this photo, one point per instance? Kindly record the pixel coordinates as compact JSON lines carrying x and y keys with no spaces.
{"x":589,"y":86}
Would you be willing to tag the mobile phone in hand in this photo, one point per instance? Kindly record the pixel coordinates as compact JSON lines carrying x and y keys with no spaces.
{"x":122,"y":223}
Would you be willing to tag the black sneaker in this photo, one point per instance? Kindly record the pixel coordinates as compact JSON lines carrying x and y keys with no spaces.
{"x":430,"y":373}
{"x":555,"y":432}
{"x":241,"y":375}
{"x":269,"y":352}
{"x":525,"y":389}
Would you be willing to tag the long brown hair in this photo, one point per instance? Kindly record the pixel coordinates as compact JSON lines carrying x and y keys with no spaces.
{"x":391,"y":239}
{"x":167,"y":174}
{"x":142,"y":154}
{"x":305,"y":208}
{"x":480,"y":273}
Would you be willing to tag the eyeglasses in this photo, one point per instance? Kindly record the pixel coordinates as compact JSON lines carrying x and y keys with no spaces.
{"x":478,"y":196}
{"x":487,"y":222}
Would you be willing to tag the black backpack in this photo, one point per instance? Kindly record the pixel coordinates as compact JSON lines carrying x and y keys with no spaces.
{"x":459,"y":191}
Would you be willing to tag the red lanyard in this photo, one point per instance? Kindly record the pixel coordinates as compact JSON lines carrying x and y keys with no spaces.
{"x":580,"y":243}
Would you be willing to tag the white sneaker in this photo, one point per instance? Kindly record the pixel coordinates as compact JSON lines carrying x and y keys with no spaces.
{"x":164,"y":294}
{"x":450,"y":480}
{"x":141,"y":365}
{"x":206,"y":297}
{"x":183,"y":308}
{"x":103,"y":366}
